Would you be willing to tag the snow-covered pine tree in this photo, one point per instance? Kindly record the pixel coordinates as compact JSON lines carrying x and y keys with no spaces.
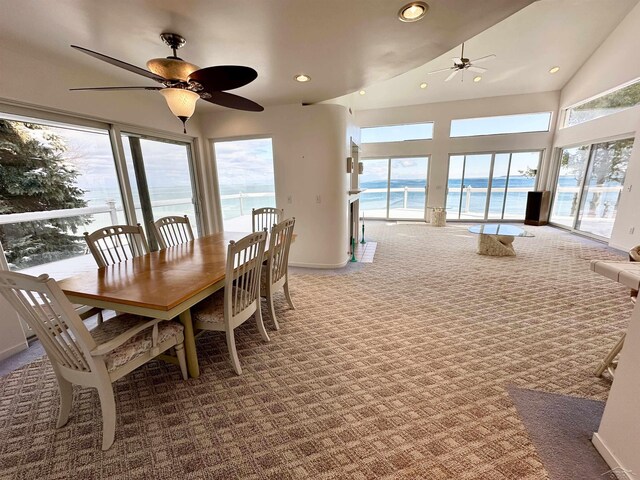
{"x":34,"y":176}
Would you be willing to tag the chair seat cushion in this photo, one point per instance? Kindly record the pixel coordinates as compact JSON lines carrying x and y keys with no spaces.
{"x":211,"y":309}
{"x":138,"y":344}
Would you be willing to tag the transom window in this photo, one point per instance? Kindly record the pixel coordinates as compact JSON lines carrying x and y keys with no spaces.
{"x":397,"y":133}
{"x":499,"y":125}
{"x":619,"y":99}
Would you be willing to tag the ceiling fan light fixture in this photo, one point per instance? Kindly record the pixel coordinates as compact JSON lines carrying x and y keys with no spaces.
{"x":555,"y":69}
{"x":412,"y":12}
{"x":181,"y":102}
{"x":172,"y":68}
{"x":302,"y":78}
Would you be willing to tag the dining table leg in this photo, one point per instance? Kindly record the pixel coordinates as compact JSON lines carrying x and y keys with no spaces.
{"x":190,"y":344}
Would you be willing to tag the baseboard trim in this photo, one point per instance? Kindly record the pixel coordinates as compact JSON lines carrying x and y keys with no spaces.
{"x":325,"y":266}
{"x":617,"y":468}
{"x":13,"y":350}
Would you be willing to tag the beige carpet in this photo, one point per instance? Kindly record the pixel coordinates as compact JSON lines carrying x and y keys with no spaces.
{"x":396,"y":369}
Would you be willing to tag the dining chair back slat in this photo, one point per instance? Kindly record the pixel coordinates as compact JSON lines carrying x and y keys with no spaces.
{"x":265,"y":217}
{"x":172,"y":230}
{"x":244,"y":263}
{"x":276,"y":273}
{"x":117,"y":243}
{"x":56,"y":323}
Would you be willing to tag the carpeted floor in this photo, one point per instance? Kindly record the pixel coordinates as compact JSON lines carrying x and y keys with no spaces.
{"x":395,"y":369}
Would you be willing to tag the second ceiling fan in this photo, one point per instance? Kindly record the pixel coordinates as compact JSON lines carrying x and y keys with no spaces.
{"x":460,"y":64}
{"x":183,"y":83}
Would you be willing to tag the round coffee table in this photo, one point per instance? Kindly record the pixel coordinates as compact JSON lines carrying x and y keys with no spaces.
{"x":496,"y":239}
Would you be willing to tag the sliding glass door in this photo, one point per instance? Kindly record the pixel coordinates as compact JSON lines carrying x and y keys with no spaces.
{"x":394,"y":188}
{"x":589,"y":184}
{"x":490,"y":186}
{"x":162,"y":180}
{"x":245,"y":179}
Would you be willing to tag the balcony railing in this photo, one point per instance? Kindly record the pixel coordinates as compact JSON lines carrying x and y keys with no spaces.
{"x":110,"y":208}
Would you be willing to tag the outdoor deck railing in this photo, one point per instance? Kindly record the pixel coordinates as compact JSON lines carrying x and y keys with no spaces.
{"x":469,"y":190}
{"x":109,"y":207}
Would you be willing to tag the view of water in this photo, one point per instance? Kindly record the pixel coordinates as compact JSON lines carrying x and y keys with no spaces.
{"x":473,"y":203}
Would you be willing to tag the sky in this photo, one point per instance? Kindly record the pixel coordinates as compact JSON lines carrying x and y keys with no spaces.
{"x":244,"y":162}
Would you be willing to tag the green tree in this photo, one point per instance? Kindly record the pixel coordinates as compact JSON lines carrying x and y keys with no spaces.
{"x":35,"y":176}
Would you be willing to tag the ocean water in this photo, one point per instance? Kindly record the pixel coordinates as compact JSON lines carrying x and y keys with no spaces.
{"x":473,"y":204}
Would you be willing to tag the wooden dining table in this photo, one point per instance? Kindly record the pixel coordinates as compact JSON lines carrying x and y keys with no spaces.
{"x":163,"y":284}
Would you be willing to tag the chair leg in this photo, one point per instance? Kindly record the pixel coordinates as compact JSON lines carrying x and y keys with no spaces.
{"x":272,"y":310}
{"x":66,"y":398}
{"x":182,"y":360}
{"x":260,"y":323}
{"x":231,"y":345}
{"x":108,"y":407}
{"x":288,"y":295}
{"x":100,"y":317}
{"x":608,"y":360}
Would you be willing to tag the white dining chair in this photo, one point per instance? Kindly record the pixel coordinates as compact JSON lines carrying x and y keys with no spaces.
{"x":117,"y":243}
{"x":95,"y":358}
{"x":265,"y":217}
{"x":172,"y":230}
{"x":275,"y":273}
{"x":226,"y":310}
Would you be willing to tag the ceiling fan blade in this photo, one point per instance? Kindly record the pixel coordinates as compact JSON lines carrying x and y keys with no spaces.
{"x":237,"y":102}
{"x":120,"y":63}
{"x":223,"y":77}
{"x":457,"y":60}
{"x":453,"y":74}
{"x":483,"y":59}
{"x":477,"y":69}
{"x":115,"y":88}
{"x":440,"y":71}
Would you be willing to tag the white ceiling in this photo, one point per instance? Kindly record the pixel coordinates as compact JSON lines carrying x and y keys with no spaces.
{"x":544,"y":34}
{"x":343,"y":44}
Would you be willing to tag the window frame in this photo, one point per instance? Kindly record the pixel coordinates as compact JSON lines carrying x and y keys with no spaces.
{"x":430,"y":122}
{"x":565,"y":110}
{"x":548,"y":130}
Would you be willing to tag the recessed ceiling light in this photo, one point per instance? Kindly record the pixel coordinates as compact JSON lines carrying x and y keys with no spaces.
{"x":555,"y":69}
{"x":477,"y":79}
{"x":362,"y":92}
{"x":412,"y":12}
{"x":302,"y":78}
{"x":423,"y":85}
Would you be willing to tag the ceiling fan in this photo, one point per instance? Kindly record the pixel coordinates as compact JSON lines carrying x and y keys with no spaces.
{"x":460,"y":64}
{"x":183,"y":83}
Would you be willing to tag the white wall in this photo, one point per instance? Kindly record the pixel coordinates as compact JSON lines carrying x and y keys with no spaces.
{"x":614,"y":63}
{"x":442,"y":145}
{"x":309,"y":149}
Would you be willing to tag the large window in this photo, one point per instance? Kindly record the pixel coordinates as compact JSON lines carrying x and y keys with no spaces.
{"x":394,"y":188}
{"x":161,"y":179}
{"x":245,"y":179}
{"x":612,"y":102}
{"x":524,"y":123}
{"x":491,"y":185}
{"x":397,"y":133}
{"x":589,"y":184}
{"x":56,"y":182}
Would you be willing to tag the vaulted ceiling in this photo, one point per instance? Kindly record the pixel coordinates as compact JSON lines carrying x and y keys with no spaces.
{"x":544,"y":34}
{"x":342,"y":44}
